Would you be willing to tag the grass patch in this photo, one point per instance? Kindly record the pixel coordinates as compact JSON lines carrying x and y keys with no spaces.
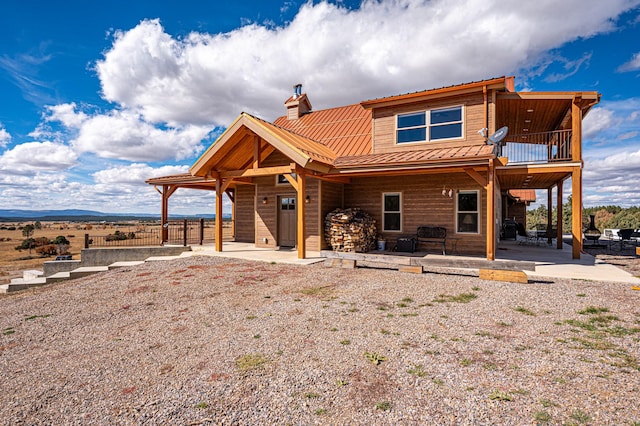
{"x":542,"y":417}
{"x":375,"y":357}
{"x":497,"y":395}
{"x":340,"y":383}
{"x":460,"y":298}
{"x":345,"y":342}
{"x":32,"y":317}
{"x":311,"y":395}
{"x":383,"y":405}
{"x":591,"y":310}
{"x":580,"y":416}
{"x":417,"y":370}
{"x":525,"y":311}
{"x":8,"y":330}
{"x":320,"y":411}
{"x":202,"y":405}
{"x":251,"y":362}
{"x":322,"y":292}
{"x":465,"y":362}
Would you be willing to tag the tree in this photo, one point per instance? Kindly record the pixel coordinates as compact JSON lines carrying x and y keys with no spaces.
{"x":62,"y":244}
{"x":28,"y":230}
{"x":38,"y":225}
{"x":27,"y":244}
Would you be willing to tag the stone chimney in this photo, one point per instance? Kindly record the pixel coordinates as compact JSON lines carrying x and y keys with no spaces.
{"x":298,"y":104}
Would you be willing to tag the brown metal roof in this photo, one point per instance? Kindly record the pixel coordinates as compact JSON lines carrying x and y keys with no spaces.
{"x":426,"y":156}
{"x":526,"y":195}
{"x":344,"y":130}
{"x":181,"y":178}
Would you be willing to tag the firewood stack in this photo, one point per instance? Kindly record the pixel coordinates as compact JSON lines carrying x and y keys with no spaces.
{"x":350,"y":230}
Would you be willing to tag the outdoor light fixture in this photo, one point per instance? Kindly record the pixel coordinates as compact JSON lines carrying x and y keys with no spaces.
{"x":447,"y":192}
{"x":264,"y":200}
{"x":307,"y":200}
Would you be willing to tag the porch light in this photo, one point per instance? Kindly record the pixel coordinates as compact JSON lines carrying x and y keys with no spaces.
{"x":447,"y":192}
{"x":307,"y":200}
{"x":264,"y":200}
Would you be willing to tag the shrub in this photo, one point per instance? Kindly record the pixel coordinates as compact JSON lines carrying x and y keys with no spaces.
{"x":48,"y":250}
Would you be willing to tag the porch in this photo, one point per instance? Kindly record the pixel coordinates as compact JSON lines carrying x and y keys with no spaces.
{"x":540,"y":262}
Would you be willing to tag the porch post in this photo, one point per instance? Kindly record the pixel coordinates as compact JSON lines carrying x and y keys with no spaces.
{"x":576,"y":212}
{"x":218,"y":230}
{"x":491,"y":220}
{"x":164,"y":214}
{"x":549,"y":213}
{"x":301,"y":223}
{"x":576,"y":177}
{"x":559,"y":215}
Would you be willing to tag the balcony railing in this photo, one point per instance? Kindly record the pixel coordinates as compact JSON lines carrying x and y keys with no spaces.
{"x":537,"y":148}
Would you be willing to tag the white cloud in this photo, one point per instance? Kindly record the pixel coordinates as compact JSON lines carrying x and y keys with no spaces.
{"x":28,"y":158}
{"x":5,"y":137}
{"x":135,"y":174}
{"x":632,"y":65}
{"x":596,"y":121}
{"x":382,"y":48}
{"x":124,"y":135}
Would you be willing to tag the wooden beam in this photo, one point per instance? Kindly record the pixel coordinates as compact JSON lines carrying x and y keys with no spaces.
{"x":559,"y":216}
{"x":301,"y":219}
{"x":491,"y":220}
{"x":264,"y":171}
{"x":218,"y":224}
{"x":292,"y":180}
{"x":576,"y":130}
{"x":503,"y":275}
{"x":231,"y":194}
{"x":576,"y":212}
{"x":256,"y":152}
{"x":329,"y":178}
{"x":482,"y":181}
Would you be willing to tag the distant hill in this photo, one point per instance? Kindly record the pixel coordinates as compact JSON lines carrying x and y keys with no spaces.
{"x":82,"y":215}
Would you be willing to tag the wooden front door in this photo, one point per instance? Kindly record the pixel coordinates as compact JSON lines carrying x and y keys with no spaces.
{"x":287,"y":222}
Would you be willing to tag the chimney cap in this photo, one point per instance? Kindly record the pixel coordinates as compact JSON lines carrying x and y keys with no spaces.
{"x":297,"y":90}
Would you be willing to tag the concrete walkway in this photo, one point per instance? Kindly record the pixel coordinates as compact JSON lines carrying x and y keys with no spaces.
{"x":554,"y":263}
{"x":550,"y":262}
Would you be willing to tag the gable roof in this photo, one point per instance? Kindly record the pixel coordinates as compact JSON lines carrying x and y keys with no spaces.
{"x":230,"y":150}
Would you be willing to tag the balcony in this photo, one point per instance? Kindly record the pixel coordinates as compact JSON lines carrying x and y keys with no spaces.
{"x":537,"y":148}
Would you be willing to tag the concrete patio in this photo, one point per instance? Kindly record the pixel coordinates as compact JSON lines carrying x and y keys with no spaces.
{"x":549,"y":261}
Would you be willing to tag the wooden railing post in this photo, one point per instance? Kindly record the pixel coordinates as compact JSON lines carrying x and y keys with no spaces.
{"x":185,"y":233}
{"x":201,"y":230}
{"x":86,"y":241}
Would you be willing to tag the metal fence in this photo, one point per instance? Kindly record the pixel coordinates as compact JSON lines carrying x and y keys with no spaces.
{"x":175,"y":232}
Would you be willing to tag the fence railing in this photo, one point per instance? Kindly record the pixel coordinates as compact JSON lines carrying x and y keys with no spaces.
{"x":175,"y":232}
{"x":537,"y":148}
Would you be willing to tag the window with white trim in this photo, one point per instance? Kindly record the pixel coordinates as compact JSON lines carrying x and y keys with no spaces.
{"x":431,"y":125}
{"x":468,"y":212}
{"x":392,"y":211}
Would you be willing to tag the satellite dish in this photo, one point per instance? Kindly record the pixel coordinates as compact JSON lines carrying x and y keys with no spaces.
{"x":500,"y":134}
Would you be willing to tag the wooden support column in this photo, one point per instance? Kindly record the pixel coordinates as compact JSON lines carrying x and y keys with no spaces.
{"x":491,"y":220}
{"x":549,"y":214}
{"x":576,"y":212}
{"x":218,"y":225}
{"x":559,"y":215}
{"x":164,"y":216}
{"x":301,"y":221}
{"x":576,"y":177}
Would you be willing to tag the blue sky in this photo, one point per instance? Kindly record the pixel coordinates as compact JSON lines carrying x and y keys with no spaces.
{"x":95,"y":97}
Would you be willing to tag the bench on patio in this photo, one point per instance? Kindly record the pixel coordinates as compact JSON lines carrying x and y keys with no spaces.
{"x":432,"y":234}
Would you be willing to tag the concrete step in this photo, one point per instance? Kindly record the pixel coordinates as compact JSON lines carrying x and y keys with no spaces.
{"x":160,"y":258}
{"x":125,"y":264}
{"x":22,"y":284}
{"x":57,"y":277}
{"x":86,"y":271}
{"x":31,"y":274}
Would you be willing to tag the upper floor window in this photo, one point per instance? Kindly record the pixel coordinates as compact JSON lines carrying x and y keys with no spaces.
{"x":432,"y":125}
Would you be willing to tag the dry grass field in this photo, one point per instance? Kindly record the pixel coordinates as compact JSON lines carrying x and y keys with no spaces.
{"x":13,"y":262}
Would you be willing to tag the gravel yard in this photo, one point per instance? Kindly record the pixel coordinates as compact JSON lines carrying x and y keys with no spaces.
{"x":206,"y":340}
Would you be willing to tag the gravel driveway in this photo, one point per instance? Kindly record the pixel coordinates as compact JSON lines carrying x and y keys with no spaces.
{"x":206,"y":340}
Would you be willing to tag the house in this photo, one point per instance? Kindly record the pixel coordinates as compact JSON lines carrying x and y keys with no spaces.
{"x":423,"y":158}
